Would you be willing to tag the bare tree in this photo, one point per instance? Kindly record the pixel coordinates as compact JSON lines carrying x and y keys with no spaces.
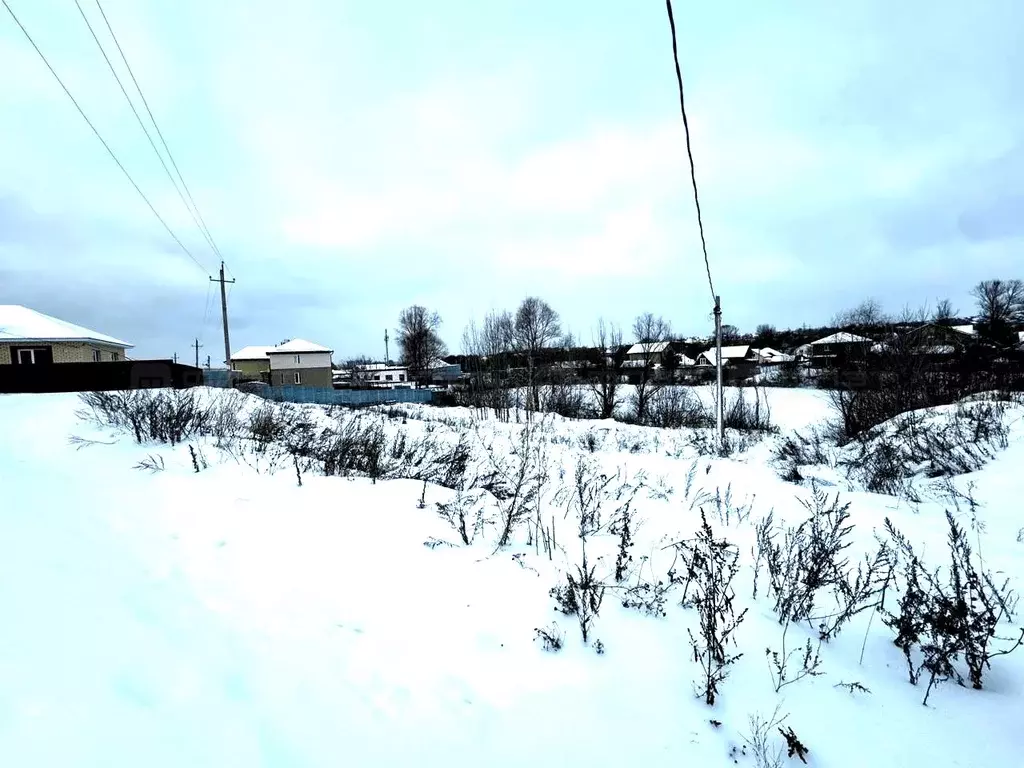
{"x":944,"y":311}
{"x":608,"y":340}
{"x":418,"y":339}
{"x":867,"y":314}
{"x":730,"y":333}
{"x":536,"y":327}
{"x":1000,"y":305}
{"x":766,"y":334}
{"x":652,"y":335}
{"x":489,"y":345}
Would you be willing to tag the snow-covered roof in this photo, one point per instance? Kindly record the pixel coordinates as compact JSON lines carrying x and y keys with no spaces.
{"x":296,"y":346}
{"x":842,"y":337}
{"x":728,"y":353}
{"x":647,"y":348}
{"x":21,"y":324}
{"x":968,"y":329}
{"x":380,"y":367}
{"x":251,"y":353}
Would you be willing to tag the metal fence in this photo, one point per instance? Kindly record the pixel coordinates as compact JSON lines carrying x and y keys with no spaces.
{"x":320,"y":396}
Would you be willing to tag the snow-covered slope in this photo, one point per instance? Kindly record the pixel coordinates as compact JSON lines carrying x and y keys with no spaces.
{"x":232,"y":616}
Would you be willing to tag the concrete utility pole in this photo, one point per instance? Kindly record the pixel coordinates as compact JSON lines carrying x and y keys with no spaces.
{"x":387,"y":353}
{"x":224,"y":316}
{"x":175,"y":358}
{"x":197,"y":345}
{"x":719,"y":394}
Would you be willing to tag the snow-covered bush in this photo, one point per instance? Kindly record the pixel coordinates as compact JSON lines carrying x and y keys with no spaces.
{"x":810,"y":562}
{"x":163,"y":416}
{"x":711,"y":566}
{"x":942,"y":622}
{"x":936,"y":442}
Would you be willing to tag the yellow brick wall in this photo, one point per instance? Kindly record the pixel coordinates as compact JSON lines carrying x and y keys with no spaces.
{"x":67,"y":352}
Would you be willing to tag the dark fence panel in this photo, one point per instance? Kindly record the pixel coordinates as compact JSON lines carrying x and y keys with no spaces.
{"x":98,"y":377}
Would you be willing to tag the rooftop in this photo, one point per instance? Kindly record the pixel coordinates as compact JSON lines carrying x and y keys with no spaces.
{"x":296,"y":346}
{"x":21,"y":324}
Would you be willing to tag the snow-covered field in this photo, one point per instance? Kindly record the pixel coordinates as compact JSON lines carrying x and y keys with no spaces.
{"x":258,"y":613}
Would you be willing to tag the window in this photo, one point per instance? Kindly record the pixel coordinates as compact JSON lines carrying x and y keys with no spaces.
{"x":298,"y":378}
{"x":117,"y":355}
{"x":97,"y":356}
{"x":298,"y":359}
{"x":31,"y":355}
{"x":401,"y":377}
{"x":389,"y":377}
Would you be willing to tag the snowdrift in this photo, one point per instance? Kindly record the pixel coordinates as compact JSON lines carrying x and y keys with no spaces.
{"x":222,"y":596}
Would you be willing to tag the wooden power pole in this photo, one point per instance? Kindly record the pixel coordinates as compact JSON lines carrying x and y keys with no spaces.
{"x":224,"y":315}
{"x":719,"y":389}
{"x":197,"y":345}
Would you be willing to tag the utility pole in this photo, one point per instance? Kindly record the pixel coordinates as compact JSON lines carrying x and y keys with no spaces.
{"x":387,"y":353}
{"x":207,"y":361}
{"x":197,"y":345}
{"x":719,"y":395}
{"x":224,"y":316}
{"x":175,"y":358}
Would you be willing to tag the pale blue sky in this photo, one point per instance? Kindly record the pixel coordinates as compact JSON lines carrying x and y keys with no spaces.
{"x":352,"y":158}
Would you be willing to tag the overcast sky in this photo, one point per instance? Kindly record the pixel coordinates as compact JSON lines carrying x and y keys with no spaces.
{"x":353,"y":158}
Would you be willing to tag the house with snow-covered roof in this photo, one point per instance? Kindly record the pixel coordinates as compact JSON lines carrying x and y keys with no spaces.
{"x":28,"y":337}
{"x":292,"y":363}
{"x":732,"y":355}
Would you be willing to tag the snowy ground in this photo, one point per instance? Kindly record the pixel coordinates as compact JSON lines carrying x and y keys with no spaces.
{"x":234,"y":617}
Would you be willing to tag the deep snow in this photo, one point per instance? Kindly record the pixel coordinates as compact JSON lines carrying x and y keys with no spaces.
{"x":231,"y":617}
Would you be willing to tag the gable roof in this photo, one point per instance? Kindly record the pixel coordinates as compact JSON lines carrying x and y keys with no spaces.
{"x":251,"y":353}
{"x":728,"y":353}
{"x":647,"y":348}
{"x":842,"y":337}
{"x":296,"y":346}
{"x":21,"y":324}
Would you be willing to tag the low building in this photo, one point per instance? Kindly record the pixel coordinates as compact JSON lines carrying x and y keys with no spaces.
{"x":733,"y":355}
{"x":381,"y":376}
{"x":839,"y":349}
{"x":28,"y":337}
{"x":651,"y":353}
{"x":252,"y":363}
{"x":301,"y":363}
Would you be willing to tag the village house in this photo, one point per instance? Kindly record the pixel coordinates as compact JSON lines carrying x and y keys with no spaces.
{"x":28,"y":337}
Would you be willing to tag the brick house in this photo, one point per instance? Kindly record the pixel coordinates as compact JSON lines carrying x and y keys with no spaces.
{"x":28,"y":337}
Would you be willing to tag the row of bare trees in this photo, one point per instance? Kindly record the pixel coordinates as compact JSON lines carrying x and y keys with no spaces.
{"x":507,"y":350}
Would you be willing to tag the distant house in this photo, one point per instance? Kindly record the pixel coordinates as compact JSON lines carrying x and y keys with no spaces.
{"x":935,"y":339}
{"x":769,"y":356}
{"x":839,"y":348}
{"x":653,"y":353}
{"x":300,"y":363}
{"x":252,"y":363}
{"x":28,"y":337}
{"x":442,"y":373}
{"x":730,"y":356}
{"x":381,"y":376}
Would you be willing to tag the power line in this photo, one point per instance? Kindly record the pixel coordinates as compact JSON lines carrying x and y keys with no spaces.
{"x":100,"y":137}
{"x":689,"y":153}
{"x":201,"y":223}
{"x":138,"y":118}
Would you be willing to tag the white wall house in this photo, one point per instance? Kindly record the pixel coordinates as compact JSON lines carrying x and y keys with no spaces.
{"x":300,"y":363}
{"x":383,"y":376}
